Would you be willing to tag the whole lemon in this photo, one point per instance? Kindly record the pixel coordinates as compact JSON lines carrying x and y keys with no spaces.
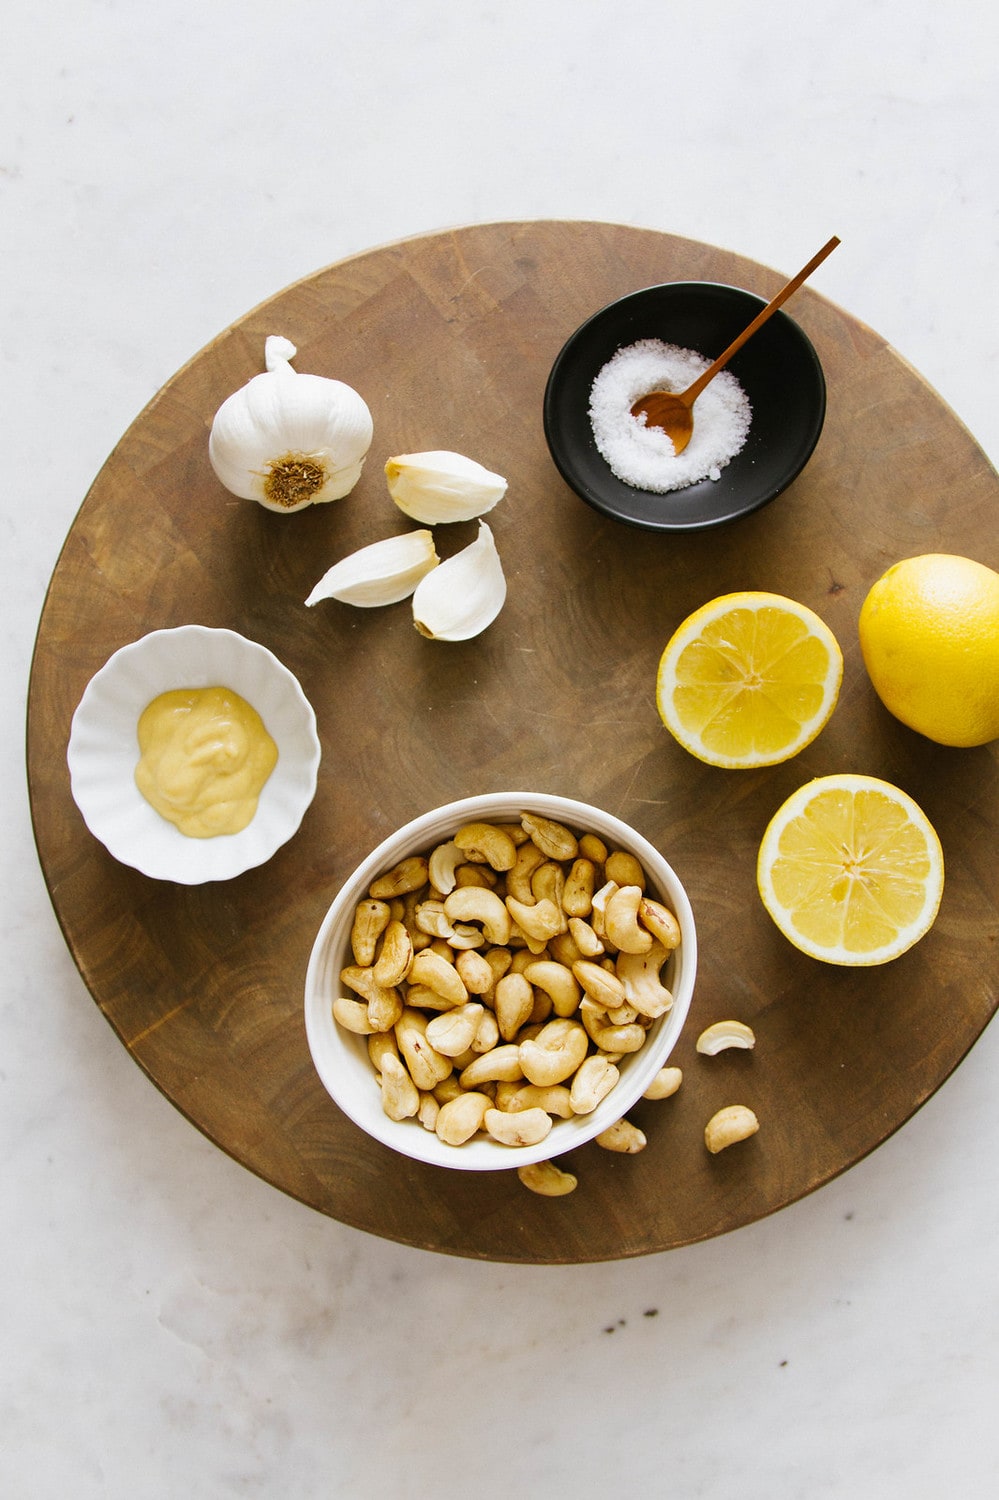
{"x":929,"y":636}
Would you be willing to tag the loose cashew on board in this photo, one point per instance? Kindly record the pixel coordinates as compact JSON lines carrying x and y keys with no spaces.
{"x":736,"y":1122}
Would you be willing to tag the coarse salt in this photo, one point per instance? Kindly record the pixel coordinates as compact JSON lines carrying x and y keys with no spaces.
{"x":644,"y":456}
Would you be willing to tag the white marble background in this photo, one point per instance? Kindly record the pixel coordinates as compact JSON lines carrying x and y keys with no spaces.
{"x":172,"y":1326}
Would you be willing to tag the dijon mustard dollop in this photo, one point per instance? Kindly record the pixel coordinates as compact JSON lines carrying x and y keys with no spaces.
{"x":205,"y":757}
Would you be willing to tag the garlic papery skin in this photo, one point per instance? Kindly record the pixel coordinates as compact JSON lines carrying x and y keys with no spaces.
{"x":439,"y":486}
{"x":381,"y":573}
{"x":464,"y":594}
{"x":289,"y":440}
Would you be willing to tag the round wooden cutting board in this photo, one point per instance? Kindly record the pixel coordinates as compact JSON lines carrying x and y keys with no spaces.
{"x":450,"y":338}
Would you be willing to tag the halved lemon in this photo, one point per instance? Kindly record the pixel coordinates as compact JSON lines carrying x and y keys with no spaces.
{"x":851,"y":870}
{"x":748,"y":679}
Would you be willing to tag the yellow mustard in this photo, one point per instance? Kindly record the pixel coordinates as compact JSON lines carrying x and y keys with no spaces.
{"x":204,"y":758}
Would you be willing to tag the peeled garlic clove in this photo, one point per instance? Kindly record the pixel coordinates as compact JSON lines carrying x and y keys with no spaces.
{"x":464,"y":594}
{"x":381,"y":573}
{"x":442,"y":486}
{"x":289,"y":440}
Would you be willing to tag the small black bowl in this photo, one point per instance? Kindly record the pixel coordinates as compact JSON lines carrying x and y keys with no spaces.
{"x":777,"y":368}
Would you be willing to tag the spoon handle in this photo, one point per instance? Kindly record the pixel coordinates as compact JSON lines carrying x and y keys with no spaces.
{"x":693,"y":391}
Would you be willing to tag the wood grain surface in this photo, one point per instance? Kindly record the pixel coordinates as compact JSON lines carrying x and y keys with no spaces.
{"x":450,"y":338}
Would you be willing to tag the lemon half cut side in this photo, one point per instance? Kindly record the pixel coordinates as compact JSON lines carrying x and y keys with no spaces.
{"x":851,"y":870}
{"x":748,"y":680}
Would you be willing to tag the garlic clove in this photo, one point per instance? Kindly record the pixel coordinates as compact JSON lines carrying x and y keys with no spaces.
{"x":381,"y":573}
{"x":288,"y":440}
{"x":458,"y":599}
{"x":440,"y":486}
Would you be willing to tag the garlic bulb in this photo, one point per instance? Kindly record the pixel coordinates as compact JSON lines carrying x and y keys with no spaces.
{"x":442,"y":486}
{"x":288,"y":440}
{"x":381,"y":573}
{"x":464,"y":594}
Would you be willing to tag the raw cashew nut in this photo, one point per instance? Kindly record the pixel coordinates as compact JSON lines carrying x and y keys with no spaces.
{"x":526,"y":1128}
{"x":362,"y":981}
{"x":449,"y":1088}
{"x":593,"y":1081}
{"x":476,"y":974}
{"x":554,"y":1100}
{"x":661,"y":922}
{"x":499,"y":961}
{"x":548,"y":884}
{"x":621,"y":926}
{"x":384,"y":1005}
{"x":439,"y":974}
{"x":461,"y":1117}
{"x":486,"y":1033}
{"x":736,"y":1122}
{"x":563,"y":949}
{"x":591,"y":846}
{"x":454,"y":1032}
{"x":501,"y":1063}
{"x":555,"y":1053}
{"x":352,"y":1016}
{"x":380,"y":1042}
{"x":370,"y":920}
{"x":400,"y":1096}
{"x":513,"y":1003}
{"x":428,"y":1111}
{"x":429,"y":918}
{"x":558,"y":982}
{"x":639,"y":973}
{"x":622,"y":1136}
{"x":723,"y":1034}
{"x":518,"y":879}
{"x":577,"y":897}
{"x":624,"y":868}
{"x":551,"y":837}
{"x":618,"y":1039}
{"x":422,"y":997}
{"x":539,"y":922}
{"x":600,"y":984}
{"x":485,"y":843}
{"x":541,"y":1011}
{"x":546,"y":1178}
{"x":408,"y":875}
{"x":473,"y":903}
{"x":426,"y":1065}
{"x":585,"y":938}
{"x":665,"y":1083}
{"x":441,"y":865}
{"x":392,"y":964}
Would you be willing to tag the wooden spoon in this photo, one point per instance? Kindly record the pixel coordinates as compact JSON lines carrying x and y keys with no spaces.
{"x":672,"y":410}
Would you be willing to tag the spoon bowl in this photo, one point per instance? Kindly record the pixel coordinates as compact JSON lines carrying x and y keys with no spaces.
{"x":673,"y":411}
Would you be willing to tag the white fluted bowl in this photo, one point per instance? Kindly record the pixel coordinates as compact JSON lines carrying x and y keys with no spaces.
{"x":103,"y":752}
{"x":341,"y":1058}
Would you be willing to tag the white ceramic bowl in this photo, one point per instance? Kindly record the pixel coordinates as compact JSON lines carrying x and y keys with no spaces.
{"x":341,"y":1058}
{"x":103,"y":751}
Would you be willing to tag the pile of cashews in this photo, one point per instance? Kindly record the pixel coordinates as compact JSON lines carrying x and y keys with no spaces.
{"x":500,"y":978}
